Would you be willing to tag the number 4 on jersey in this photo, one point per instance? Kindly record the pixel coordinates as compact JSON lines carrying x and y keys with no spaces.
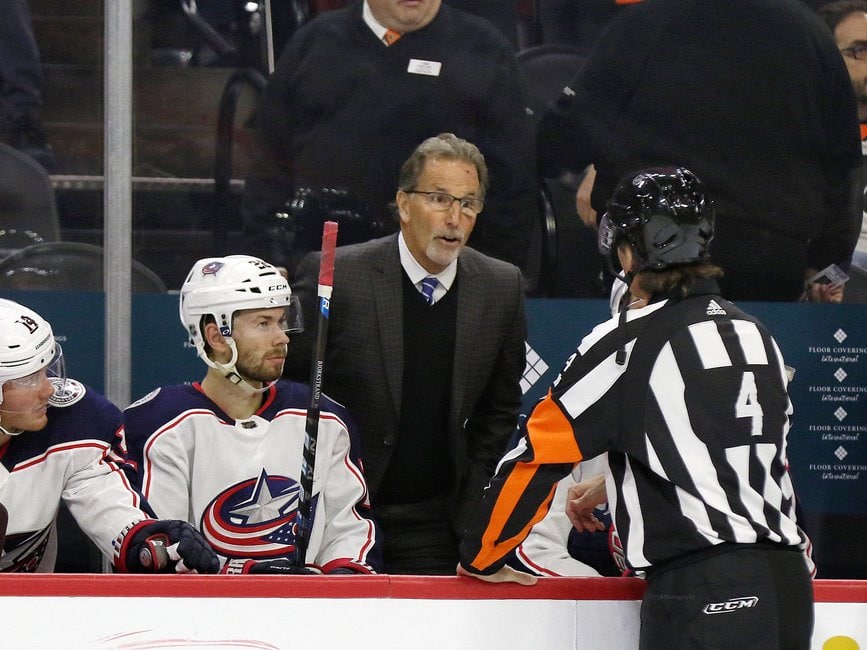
{"x":747,"y":405}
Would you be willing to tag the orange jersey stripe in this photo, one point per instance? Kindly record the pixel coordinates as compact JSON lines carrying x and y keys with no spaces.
{"x":491,"y":550}
{"x":550,"y":434}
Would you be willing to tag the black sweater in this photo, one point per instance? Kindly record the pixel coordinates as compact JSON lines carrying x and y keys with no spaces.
{"x":420,"y":467}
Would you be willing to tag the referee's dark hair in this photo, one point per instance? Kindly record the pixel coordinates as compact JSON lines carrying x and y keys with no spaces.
{"x":675,"y":281}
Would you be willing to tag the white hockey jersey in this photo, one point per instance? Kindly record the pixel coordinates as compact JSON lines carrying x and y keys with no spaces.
{"x":73,"y":458}
{"x":237,"y":481}
{"x":545,"y":551}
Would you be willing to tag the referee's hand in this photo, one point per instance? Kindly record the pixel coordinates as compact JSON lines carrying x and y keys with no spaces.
{"x":505,"y":574}
{"x":581,"y":502}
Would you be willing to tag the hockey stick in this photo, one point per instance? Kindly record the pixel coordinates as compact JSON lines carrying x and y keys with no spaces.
{"x":311,"y":431}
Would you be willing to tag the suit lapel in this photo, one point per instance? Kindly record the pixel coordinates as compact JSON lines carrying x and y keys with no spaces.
{"x":469,"y":323}
{"x":388,"y":298}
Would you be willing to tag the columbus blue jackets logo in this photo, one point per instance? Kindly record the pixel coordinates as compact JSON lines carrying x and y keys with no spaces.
{"x":25,"y":551}
{"x":211,"y":268}
{"x":256,"y":518}
{"x":66,"y":391}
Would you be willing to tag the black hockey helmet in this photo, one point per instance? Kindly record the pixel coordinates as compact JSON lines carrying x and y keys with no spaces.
{"x":664,"y":213}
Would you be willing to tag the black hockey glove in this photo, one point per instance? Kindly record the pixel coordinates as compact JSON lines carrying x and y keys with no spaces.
{"x":164,"y":546}
{"x":282,"y":566}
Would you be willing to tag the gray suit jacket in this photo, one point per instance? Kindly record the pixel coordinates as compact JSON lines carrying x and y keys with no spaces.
{"x":364,"y":358}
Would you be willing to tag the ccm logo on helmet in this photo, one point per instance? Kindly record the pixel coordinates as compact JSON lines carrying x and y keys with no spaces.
{"x":731,"y":605}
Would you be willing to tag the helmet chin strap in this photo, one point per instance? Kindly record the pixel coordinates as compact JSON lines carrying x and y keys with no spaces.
{"x":8,"y":432}
{"x":2,"y":428}
{"x":625,"y":277}
{"x":229,"y":371}
{"x":620,"y":356}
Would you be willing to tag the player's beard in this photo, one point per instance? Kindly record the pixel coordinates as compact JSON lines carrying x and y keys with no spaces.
{"x":257,"y":370}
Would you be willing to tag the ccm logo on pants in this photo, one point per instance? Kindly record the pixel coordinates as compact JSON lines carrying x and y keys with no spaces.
{"x":731,"y":605}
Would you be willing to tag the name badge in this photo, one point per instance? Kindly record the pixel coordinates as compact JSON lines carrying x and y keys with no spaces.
{"x":419,"y":66}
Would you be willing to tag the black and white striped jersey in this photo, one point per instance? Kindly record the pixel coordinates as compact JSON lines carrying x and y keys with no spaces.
{"x":695,"y":423}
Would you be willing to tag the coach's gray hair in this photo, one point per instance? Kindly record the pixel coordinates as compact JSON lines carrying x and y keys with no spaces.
{"x":445,"y":146}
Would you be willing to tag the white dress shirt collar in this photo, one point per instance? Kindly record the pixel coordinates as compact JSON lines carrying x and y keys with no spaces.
{"x":417,"y":273}
{"x":373,"y":23}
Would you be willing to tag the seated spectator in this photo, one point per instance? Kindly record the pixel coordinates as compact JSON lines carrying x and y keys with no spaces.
{"x":59,"y":441}
{"x":426,"y":347}
{"x":354,"y":91}
{"x":225,"y":454}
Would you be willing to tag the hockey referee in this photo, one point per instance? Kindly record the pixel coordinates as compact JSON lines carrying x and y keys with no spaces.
{"x":688,"y":395}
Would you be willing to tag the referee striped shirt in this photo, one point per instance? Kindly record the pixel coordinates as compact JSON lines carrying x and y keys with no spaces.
{"x":695,"y":423}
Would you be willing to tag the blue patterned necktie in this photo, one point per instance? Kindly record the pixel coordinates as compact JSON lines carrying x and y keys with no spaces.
{"x":428,"y":286}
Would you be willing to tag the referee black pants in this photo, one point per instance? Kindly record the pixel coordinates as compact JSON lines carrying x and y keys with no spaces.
{"x":736,"y":597}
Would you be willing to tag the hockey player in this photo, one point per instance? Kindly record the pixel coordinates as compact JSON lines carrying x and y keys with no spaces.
{"x":58,"y":441}
{"x":688,"y":395}
{"x":225,"y":453}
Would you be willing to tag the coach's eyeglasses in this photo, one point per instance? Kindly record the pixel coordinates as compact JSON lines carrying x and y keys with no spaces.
{"x":443,"y":202}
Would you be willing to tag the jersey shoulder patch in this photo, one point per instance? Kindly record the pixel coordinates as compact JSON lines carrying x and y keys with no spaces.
{"x":66,"y":393}
{"x":146,"y":398}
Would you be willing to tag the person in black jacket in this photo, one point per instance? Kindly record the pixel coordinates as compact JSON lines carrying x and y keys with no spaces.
{"x":343,"y":110}
{"x":688,"y":395}
{"x":753,"y":96}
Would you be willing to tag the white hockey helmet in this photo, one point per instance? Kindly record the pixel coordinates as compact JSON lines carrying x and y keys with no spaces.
{"x":221,"y":286}
{"x":27,"y":345}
